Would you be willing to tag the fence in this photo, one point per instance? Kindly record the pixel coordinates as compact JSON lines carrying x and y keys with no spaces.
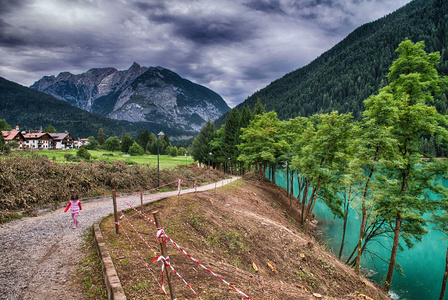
{"x":162,"y":257}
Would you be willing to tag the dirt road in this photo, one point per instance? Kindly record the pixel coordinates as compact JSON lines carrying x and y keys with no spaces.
{"x":39,"y":255}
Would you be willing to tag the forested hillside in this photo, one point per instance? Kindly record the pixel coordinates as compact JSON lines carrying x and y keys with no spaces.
{"x":341,"y":78}
{"x":28,"y":108}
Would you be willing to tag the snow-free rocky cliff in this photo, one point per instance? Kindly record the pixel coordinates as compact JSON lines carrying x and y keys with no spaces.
{"x":139,"y":94}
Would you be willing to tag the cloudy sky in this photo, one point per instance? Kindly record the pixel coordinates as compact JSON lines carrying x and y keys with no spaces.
{"x":234,"y":47}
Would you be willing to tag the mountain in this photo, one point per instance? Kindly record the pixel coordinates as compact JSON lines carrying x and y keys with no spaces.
{"x":344,"y":76}
{"x":139,"y":94}
{"x":31,"y":109}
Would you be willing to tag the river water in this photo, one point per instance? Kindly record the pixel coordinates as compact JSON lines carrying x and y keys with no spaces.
{"x":423,"y":265}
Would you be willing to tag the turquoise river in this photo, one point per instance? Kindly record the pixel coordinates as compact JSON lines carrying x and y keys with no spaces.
{"x":423,"y":265}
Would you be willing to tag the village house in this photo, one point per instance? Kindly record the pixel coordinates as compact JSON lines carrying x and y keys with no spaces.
{"x":14,"y":135}
{"x":38,"y":140}
{"x":62,"y":141}
{"x":81,"y":142}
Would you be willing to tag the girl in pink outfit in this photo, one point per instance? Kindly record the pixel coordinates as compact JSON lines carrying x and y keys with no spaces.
{"x":75,"y":206}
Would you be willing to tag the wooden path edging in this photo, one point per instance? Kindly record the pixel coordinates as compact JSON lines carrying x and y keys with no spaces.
{"x":113,"y":284}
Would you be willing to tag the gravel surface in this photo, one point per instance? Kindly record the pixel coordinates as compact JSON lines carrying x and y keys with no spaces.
{"x":39,"y":255}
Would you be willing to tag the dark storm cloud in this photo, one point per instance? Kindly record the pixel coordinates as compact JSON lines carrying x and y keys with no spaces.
{"x":233,"y":47}
{"x":266,"y":6}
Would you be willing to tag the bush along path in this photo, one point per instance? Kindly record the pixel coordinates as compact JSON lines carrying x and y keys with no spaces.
{"x":39,"y":255}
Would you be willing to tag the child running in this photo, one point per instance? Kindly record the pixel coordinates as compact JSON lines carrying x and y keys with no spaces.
{"x":75,"y":206}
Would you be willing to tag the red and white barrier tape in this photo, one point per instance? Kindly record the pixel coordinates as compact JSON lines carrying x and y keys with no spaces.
{"x":193,"y":259}
{"x":161,"y":233}
{"x":145,"y":263}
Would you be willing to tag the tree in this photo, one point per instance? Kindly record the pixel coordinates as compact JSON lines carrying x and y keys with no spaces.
{"x":92,"y":143}
{"x":173,"y":151}
{"x":441,"y":221}
{"x":136,"y":149}
{"x":143,"y":138}
{"x":112,"y":144}
{"x":405,"y":179}
{"x":50,"y":129}
{"x":321,"y":152}
{"x":126,"y":142}
{"x":101,"y":139}
{"x":261,"y":142}
{"x":4,"y":126}
{"x":201,"y":143}
{"x":259,"y":108}
{"x":374,"y":146}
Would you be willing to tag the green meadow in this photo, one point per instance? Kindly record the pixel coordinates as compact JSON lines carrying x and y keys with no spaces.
{"x":148,"y":159}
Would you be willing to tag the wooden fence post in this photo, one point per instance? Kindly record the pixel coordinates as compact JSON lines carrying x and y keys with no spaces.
{"x":164,"y":254}
{"x":141,"y":201}
{"x":114,"y":198}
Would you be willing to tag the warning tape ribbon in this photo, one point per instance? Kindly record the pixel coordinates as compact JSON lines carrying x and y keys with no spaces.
{"x":158,"y":257}
{"x":193,"y":259}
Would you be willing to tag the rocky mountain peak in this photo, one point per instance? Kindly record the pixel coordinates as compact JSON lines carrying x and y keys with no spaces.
{"x":138,"y":94}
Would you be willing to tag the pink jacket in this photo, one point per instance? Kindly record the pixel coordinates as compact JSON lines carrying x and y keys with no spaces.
{"x":75,"y":207}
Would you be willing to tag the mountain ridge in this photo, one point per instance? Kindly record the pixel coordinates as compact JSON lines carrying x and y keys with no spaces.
{"x":341,"y":78}
{"x":139,"y":94}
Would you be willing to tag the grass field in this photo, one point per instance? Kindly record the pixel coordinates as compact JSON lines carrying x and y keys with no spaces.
{"x":165,"y":161}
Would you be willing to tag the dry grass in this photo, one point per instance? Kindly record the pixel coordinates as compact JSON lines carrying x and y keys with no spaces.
{"x":35,"y":181}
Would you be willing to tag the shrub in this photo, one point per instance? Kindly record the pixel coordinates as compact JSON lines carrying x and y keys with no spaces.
{"x":136,"y":149}
{"x":83,"y":153}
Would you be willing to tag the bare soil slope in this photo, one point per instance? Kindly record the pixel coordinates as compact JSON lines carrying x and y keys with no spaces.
{"x":246,"y":233}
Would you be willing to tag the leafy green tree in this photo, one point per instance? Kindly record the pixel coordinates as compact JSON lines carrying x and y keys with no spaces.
{"x":152,"y":144}
{"x":101,"y":139}
{"x":50,"y":129}
{"x":261,"y":143}
{"x":375,"y":145}
{"x":92,"y":143}
{"x":200,"y":148}
{"x":4,"y":126}
{"x":405,"y":179}
{"x":321,"y":152}
{"x":126,"y":142}
{"x":173,"y":151}
{"x":181,"y":151}
{"x":136,"y":149}
{"x":112,"y":144}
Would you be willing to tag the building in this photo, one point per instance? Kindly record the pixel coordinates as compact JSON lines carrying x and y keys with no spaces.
{"x":62,"y":141}
{"x":38,"y":140}
{"x":14,"y":135}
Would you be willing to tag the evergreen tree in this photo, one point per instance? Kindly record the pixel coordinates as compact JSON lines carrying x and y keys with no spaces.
{"x":4,"y":126}
{"x":201,"y":148}
{"x":101,"y":139}
{"x":126,"y":142}
{"x":143,"y":138}
{"x":259,"y":108}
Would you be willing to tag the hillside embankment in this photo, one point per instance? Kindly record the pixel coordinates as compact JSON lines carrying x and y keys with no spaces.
{"x":247,"y":233}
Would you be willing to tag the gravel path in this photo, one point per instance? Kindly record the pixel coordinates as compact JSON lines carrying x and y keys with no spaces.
{"x":39,"y":256}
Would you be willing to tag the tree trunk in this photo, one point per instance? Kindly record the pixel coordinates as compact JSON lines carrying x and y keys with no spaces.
{"x":445,"y":276}
{"x":287,"y":182}
{"x":393,"y":256}
{"x":344,"y":227}
{"x":361,"y":236}
{"x":304,"y":197}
